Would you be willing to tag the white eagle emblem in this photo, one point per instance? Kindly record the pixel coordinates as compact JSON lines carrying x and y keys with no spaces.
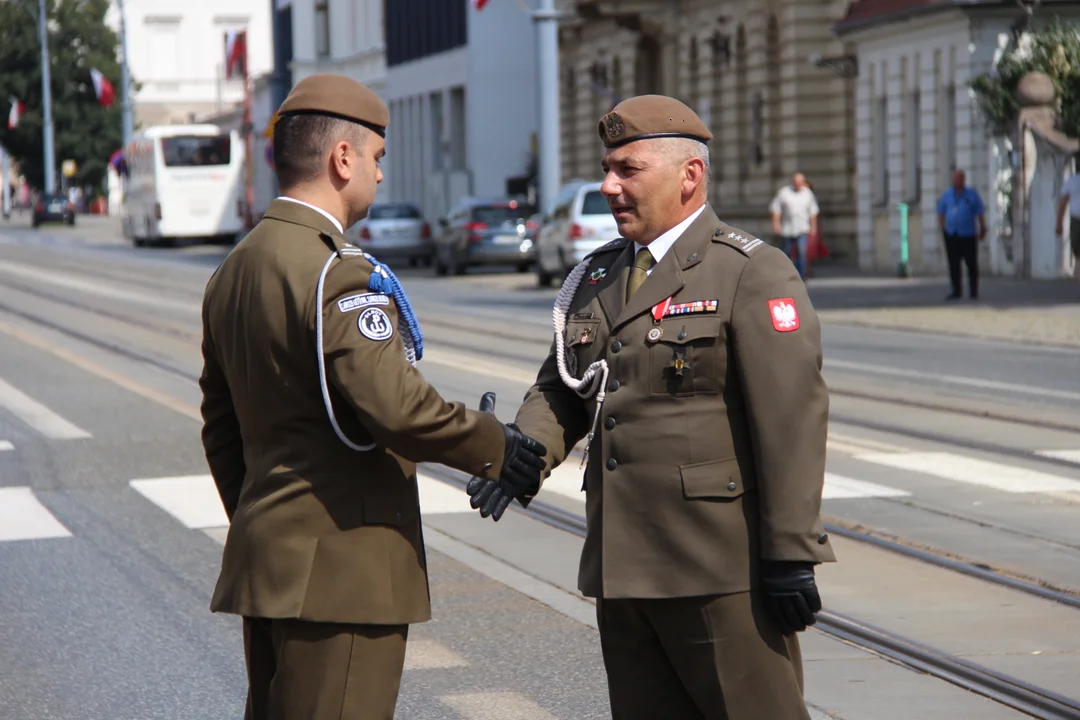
{"x":785,"y":317}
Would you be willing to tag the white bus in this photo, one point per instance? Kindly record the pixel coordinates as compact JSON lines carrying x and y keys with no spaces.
{"x":184,"y":181}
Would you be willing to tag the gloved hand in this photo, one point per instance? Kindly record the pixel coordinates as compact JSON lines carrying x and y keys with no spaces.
{"x":790,"y":594}
{"x":520,"y":477}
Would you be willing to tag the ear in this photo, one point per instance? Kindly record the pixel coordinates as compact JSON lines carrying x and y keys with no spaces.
{"x":693,"y":175}
{"x":342,"y":161}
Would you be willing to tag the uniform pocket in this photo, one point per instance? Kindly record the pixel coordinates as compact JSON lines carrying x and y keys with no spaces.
{"x":689,"y":359}
{"x":720,"y":479}
{"x":581,"y":344}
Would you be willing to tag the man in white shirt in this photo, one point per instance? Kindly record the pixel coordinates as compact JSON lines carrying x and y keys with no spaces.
{"x":1070,"y":198}
{"x":794,"y":217}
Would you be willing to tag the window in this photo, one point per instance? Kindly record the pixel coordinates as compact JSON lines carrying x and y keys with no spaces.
{"x":196,"y":151}
{"x":594,"y":203}
{"x":880,"y":142}
{"x":913,"y":153}
{"x":163,"y":48}
{"x":496,"y":215}
{"x":322,"y":28}
{"x":393,"y":211}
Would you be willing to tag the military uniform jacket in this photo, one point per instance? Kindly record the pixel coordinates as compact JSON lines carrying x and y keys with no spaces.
{"x":710,"y":450}
{"x":320,"y":531}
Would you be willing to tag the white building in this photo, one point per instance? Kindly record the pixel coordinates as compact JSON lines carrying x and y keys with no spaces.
{"x":177,"y":55}
{"x":462,"y":87}
{"x":917,"y":119}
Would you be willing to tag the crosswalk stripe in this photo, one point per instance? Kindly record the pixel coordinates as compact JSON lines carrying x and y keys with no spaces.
{"x":838,"y":487}
{"x":6,"y":445}
{"x":1070,"y":455}
{"x":496,"y":706}
{"x":438,"y":498}
{"x":960,"y":468}
{"x":37,"y":416}
{"x":191,"y":499}
{"x":23,"y":517}
{"x":430,"y":655}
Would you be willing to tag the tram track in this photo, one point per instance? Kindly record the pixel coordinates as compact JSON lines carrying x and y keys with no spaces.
{"x":1004,"y":689}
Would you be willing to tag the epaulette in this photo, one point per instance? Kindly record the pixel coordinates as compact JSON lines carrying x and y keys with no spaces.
{"x":733,"y":237}
{"x":616,"y":244}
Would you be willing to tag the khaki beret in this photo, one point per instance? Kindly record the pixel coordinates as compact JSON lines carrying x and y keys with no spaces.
{"x":337,"y":96}
{"x":651,"y":116}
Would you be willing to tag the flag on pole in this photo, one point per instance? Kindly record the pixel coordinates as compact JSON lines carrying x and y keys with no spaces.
{"x":17,"y":110}
{"x":479,"y":4}
{"x":235,"y":53}
{"x":102,"y":88}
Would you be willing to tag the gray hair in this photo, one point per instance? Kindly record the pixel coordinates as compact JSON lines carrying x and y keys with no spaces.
{"x":301,"y":143}
{"x":679,"y":150}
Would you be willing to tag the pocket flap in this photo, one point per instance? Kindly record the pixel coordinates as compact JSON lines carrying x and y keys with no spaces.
{"x":684,"y":330}
{"x":713,"y":479}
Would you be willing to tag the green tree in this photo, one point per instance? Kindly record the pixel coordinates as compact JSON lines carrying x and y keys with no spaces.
{"x":84,"y":131}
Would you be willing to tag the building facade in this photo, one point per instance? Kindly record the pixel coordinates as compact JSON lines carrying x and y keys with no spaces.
{"x":461,"y":86}
{"x":176,"y":55}
{"x":769,"y":77}
{"x":918,"y":120}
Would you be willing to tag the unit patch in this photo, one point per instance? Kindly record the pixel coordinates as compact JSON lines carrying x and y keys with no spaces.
{"x":375,"y":325}
{"x":785,"y":317}
{"x":355,"y":302}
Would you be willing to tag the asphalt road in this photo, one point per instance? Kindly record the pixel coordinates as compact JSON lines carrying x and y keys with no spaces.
{"x":109,"y":547}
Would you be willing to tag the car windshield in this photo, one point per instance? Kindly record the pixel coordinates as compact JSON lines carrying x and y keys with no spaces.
{"x":595,"y":203}
{"x":499,"y":214}
{"x":196,"y":151}
{"x":393,"y":212}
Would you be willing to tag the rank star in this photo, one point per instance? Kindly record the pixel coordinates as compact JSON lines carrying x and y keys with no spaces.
{"x":597,"y":276}
{"x":679,"y":364}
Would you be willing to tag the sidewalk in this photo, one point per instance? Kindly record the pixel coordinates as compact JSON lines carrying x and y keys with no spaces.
{"x":1045,"y":312}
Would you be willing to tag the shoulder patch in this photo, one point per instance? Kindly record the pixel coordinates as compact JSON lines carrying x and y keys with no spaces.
{"x":617,"y":244}
{"x":735,"y":238}
{"x":355,"y":302}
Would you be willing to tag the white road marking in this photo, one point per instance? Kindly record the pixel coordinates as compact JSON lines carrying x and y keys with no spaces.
{"x":439,"y":498}
{"x":972,"y":471}
{"x":193,"y":499}
{"x":854,"y":445}
{"x":496,"y":706}
{"x":1070,"y":455}
{"x":838,"y":487}
{"x":953,"y":379}
{"x":6,"y":445}
{"x":431,"y":655}
{"x":478,"y":365}
{"x":565,"y":480}
{"x":37,"y":416}
{"x":23,"y":517}
{"x":572,"y":606}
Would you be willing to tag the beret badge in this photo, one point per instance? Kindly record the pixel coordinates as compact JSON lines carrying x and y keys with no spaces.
{"x":613,"y":125}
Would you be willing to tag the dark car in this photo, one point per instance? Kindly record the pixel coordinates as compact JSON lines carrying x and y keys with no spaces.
{"x":485,"y":232}
{"x":53,"y":208}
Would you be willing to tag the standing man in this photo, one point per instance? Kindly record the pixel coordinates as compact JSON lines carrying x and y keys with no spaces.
{"x":795,"y":218}
{"x":1070,"y":200}
{"x":690,"y":357}
{"x":958,"y":210}
{"x":314,"y":417}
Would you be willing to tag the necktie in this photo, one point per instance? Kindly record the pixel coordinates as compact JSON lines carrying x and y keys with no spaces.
{"x":643,"y":262}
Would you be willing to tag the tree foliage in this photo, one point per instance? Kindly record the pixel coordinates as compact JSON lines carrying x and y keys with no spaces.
{"x":1053,"y":49}
{"x":84,"y":131}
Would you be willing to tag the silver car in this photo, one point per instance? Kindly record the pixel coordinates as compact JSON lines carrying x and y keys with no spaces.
{"x":394,"y":231}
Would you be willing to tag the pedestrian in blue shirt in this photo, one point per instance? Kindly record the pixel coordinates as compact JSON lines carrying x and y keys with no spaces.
{"x":962,"y":218}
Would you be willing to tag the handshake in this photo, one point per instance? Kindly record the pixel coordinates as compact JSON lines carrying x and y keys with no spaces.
{"x":520,"y":476}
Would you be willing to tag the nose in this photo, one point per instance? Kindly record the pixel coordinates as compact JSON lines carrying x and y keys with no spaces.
{"x":378,"y":176}
{"x":610,"y":187}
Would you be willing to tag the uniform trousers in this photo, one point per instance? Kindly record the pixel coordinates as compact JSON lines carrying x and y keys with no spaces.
{"x":699,"y":658}
{"x":963,"y":248}
{"x":301,"y":670}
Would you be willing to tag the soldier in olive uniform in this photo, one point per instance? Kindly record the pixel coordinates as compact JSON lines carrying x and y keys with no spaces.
{"x":689,"y":356}
{"x":315,"y":416}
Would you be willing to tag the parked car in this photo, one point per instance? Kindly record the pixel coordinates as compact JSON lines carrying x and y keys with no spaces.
{"x":394,"y":231}
{"x":580,"y":222}
{"x":485,"y":232}
{"x":53,"y":208}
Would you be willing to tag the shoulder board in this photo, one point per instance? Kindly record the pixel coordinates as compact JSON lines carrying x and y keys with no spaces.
{"x":733,"y":237}
{"x":617,"y":244}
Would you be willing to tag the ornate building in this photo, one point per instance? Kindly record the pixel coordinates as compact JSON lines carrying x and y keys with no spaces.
{"x":770,"y":79}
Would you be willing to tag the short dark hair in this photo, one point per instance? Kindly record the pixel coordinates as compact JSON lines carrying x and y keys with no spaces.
{"x":301,"y":142}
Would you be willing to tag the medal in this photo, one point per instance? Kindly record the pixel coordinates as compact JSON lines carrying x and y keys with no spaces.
{"x":660,"y":309}
{"x":597,"y":276}
{"x":654,"y":335}
{"x":679,"y":364}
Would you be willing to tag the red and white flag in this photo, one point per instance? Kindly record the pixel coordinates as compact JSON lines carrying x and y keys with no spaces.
{"x":235,"y":53}
{"x":17,"y":110}
{"x":479,"y":4}
{"x":102,"y":88}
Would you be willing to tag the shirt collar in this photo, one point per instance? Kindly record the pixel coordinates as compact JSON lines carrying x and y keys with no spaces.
{"x":659,"y":247}
{"x":327,"y":215}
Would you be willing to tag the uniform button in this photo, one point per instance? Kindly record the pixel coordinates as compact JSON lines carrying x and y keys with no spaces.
{"x":732,"y":487}
{"x":613,"y":386}
{"x":487,"y":466}
{"x":682,"y":335}
{"x":399,"y":515}
{"x":610,"y":423}
{"x":823,"y":538}
{"x":612,"y":463}
{"x":616,"y":346}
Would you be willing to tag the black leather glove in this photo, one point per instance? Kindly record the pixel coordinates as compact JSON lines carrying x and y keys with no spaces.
{"x":790,"y":594}
{"x":523,"y":462}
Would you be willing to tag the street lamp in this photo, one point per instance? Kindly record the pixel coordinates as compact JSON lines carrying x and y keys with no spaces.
{"x":125,"y":81}
{"x":46,"y":93}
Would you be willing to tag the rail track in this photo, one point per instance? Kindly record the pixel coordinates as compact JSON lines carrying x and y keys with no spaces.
{"x":1009,"y":691}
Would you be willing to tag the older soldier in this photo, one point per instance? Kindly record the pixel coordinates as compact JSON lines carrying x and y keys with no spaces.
{"x":314,"y":417}
{"x":689,"y":355}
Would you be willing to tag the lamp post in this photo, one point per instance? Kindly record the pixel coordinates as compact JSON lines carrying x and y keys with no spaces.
{"x":42,"y":20}
{"x":127,"y":115}
{"x":548,"y":40}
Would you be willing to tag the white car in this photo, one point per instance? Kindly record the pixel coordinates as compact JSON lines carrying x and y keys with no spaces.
{"x":580,"y":222}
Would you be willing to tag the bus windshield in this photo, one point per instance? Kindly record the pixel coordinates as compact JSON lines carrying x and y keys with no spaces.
{"x":196,"y":151}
